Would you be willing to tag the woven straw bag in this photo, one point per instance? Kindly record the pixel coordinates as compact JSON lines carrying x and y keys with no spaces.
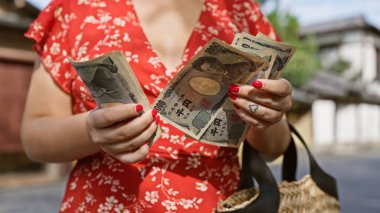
{"x":316,"y":192}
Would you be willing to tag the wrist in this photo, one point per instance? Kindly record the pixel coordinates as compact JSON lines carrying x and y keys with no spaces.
{"x":271,"y":142}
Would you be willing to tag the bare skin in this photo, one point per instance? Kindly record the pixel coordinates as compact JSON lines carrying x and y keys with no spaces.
{"x":52,"y":133}
{"x":264,"y":110}
{"x":158,"y":19}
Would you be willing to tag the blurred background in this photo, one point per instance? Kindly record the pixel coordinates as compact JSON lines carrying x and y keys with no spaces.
{"x":336,"y":79}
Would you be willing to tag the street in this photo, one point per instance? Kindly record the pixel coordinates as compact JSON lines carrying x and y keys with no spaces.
{"x":357,"y":174}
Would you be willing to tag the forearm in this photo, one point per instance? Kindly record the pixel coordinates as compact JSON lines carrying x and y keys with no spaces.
{"x":272,"y":141}
{"x":57,"y":139}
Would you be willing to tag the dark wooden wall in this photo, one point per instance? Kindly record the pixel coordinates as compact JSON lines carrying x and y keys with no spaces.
{"x":14,"y":83}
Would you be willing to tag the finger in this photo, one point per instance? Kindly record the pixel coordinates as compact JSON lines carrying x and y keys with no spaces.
{"x":252,"y":121}
{"x":279,"y":87}
{"x":126,"y":131}
{"x":105,"y":117}
{"x":133,"y":144}
{"x":133,"y":157}
{"x":258,"y":111}
{"x":263,"y":98}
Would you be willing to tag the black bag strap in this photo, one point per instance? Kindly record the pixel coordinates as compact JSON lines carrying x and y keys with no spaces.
{"x":268,"y":200}
{"x":289,"y":162}
{"x":323,"y":180}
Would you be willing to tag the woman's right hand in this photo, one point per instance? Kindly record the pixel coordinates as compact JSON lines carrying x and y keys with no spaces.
{"x":121,"y":132}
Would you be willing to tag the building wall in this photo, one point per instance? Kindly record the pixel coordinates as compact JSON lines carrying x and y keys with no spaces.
{"x":348,"y":123}
{"x":356,"y":47}
{"x":303,"y":123}
{"x":323,"y":117}
{"x":16,"y":65}
{"x":14,"y":80}
{"x":369,"y":59}
{"x":369,"y":121}
{"x":345,"y":123}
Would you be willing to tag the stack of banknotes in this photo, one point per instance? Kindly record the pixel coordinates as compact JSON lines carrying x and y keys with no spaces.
{"x":196,"y":100}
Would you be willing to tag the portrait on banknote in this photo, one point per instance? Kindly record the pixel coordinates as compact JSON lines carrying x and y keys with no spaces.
{"x":105,"y":82}
{"x":111,"y":81}
{"x":200,"y":89}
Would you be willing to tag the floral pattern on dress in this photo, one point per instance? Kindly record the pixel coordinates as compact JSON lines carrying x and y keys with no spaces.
{"x":180,"y":174}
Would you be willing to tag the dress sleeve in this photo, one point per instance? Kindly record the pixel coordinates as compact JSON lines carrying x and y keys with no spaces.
{"x":50,"y":33}
{"x":258,"y":22}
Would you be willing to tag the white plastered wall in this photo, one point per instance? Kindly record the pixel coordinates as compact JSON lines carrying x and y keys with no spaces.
{"x":323,"y":115}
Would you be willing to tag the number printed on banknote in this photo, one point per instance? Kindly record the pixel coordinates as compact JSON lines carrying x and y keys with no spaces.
{"x":259,"y":51}
{"x":284,"y":51}
{"x":111,"y":81}
{"x":191,"y":101}
{"x":195,"y":101}
{"x":227,"y":129}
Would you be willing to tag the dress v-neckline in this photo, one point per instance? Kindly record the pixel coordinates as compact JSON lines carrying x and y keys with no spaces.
{"x":188,"y":42}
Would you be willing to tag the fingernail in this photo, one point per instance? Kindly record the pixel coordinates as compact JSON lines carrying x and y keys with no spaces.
{"x":236,"y":106}
{"x":234,"y":88}
{"x":139,"y":108}
{"x":154,"y":113}
{"x":148,"y":143}
{"x":257,"y":84}
{"x":157,"y":120}
{"x":232,"y":96}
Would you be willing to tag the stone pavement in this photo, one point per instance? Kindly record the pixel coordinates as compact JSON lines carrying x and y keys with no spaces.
{"x":40,"y":198}
{"x":357,"y":172}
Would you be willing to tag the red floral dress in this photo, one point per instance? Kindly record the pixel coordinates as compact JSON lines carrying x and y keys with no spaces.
{"x":180,"y":174}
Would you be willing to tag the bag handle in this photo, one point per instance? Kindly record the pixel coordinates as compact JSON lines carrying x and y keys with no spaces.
{"x":323,"y":180}
{"x":268,"y":200}
{"x":254,"y":166}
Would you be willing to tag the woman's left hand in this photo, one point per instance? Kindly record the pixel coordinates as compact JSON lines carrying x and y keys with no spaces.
{"x":262,"y":104}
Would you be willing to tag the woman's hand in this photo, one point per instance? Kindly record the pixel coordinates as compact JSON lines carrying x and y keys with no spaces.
{"x":121,"y":132}
{"x":262,"y":104}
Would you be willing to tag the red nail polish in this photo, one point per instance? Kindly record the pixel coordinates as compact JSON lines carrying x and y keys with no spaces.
{"x":154,"y":113}
{"x":232,"y":96}
{"x":157,"y":120}
{"x":139,"y":108}
{"x":257,"y":84}
{"x":236,"y":106}
{"x":234,"y":88}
